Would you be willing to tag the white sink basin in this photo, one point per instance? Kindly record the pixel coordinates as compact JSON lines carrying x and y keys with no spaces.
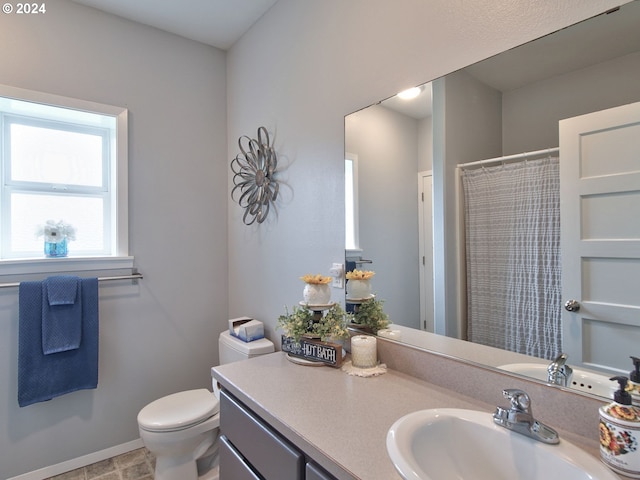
{"x":443,"y":444}
{"x":581,"y":380}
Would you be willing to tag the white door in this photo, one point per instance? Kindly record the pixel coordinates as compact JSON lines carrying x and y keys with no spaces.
{"x":425,"y":225}
{"x":600,"y":236}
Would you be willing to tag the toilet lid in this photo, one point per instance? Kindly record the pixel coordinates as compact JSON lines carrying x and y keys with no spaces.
{"x":178,"y":410}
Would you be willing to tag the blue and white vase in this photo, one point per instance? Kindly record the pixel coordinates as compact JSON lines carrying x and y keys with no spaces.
{"x":56,"y":249}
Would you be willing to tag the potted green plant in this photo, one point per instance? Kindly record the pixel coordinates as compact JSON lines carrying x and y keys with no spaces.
{"x":315,"y":336}
{"x":370,"y":316}
{"x":302,"y":321}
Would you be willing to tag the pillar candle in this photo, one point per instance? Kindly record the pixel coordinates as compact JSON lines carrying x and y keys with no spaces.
{"x":364,"y":352}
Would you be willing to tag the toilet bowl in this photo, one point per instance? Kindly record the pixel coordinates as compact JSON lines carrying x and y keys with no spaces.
{"x":181,"y":429}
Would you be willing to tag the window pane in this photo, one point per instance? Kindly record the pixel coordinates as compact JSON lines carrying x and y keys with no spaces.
{"x":29,"y":211}
{"x":349,"y":205}
{"x":351,"y":201}
{"x":61,"y":159}
{"x":49,"y":155}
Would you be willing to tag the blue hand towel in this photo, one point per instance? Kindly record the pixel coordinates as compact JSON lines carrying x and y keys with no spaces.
{"x":42,"y":377}
{"x":62,"y":290}
{"x":61,"y":314}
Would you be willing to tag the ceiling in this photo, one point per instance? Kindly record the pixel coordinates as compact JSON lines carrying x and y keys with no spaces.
{"x":219,"y":23}
{"x":419,"y":107}
{"x":579,"y":46}
{"x":576,"y":47}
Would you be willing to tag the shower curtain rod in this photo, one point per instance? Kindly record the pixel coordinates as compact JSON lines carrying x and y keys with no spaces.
{"x":546,"y":151}
{"x":133,"y":276}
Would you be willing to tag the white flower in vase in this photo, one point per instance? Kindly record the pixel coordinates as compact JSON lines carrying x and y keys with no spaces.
{"x":56,"y":236}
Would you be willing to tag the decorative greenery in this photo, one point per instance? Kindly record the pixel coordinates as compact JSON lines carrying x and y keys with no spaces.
{"x":360,"y":274}
{"x":302,"y":321}
{"x":316,"y":279}
{"x":371,"y":314}
{"x":56,"y":232}
{"x":297,"y":323}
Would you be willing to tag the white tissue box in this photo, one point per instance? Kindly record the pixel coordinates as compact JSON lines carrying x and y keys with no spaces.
{"x":246,"y":329}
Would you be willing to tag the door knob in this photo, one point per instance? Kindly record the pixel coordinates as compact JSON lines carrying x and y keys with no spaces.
{"x":572,"y":306}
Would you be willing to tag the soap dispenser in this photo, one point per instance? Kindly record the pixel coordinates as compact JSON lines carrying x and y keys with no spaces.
{"x":620,"y":432}
{"x":634,"y":382}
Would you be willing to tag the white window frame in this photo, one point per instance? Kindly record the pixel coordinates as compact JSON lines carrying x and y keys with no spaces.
{"x":351,"y":208}
{"x":118,"y":179}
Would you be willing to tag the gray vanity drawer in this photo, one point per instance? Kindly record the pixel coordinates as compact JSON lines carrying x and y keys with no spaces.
{"x":269,"y":454}
{"x":232,"y":465}
{"x":315,"y":472}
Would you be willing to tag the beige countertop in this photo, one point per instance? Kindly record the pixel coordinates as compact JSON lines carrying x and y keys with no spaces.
{"x":340,"y":421}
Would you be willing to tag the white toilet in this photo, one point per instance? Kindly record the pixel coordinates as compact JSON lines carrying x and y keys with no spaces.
{"x":181,"y":429}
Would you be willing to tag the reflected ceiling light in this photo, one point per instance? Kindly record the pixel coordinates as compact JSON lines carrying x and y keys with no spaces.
{"x":409,"y":93}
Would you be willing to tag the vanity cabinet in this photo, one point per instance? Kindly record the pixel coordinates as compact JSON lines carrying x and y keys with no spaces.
{"x":315,"y":472}
{"x":232,"y":464}
{"x":252,"y":449}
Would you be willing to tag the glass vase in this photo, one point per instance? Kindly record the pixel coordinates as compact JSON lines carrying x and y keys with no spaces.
{"x":56,"y":249}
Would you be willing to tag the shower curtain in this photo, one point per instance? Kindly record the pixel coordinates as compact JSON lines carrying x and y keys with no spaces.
{"x":512,"y":222}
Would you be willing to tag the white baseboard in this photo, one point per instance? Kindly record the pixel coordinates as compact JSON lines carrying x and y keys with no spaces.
{"x":80,"y":462}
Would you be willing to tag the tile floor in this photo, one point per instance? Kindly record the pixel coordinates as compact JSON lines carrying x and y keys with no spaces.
{"x":135,"y":465}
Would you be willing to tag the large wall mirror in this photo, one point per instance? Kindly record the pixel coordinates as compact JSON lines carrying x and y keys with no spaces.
{"x":408,"y":208}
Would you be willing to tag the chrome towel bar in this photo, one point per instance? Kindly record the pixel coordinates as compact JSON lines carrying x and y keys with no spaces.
{"x":132,"y":276}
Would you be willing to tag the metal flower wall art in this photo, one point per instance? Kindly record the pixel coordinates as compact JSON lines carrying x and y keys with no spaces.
{"x":253,"y":170}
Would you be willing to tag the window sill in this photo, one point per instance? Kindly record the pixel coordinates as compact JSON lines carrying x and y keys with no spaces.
{"x":27,"y":266}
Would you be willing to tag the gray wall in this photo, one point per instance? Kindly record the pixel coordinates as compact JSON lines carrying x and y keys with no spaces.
{"x":301,"y":69}
{"x":425,"y":144}
{"x":467,"y":126}
{"x":387,"y":145}
{"x":531,"y":113}
{"x":298,"y":71}
{"x":160,"y":336}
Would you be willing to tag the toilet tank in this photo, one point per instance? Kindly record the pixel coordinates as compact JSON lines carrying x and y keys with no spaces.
{"x":232,"y":349}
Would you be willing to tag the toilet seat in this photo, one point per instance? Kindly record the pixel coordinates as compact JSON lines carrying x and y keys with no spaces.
{"x":178,"y":411}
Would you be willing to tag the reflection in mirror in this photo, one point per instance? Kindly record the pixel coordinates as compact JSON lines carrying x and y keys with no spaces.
{"x":352,"y":224}
{"x":391,"y":148}
{"x":501,"y":107}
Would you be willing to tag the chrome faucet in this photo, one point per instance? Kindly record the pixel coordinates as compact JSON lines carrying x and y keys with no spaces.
{"x":519,"y":418}
{"x":559,"y":372}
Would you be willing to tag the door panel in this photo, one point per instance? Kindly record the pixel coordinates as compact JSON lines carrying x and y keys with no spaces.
{"x":600,"y":280}
{"x":600,"y":236}
{"x":596,"y":146}
{"x":599,"y":218}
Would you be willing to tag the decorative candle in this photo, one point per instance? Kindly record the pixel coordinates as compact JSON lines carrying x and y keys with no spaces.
{"x":364,"y":352}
